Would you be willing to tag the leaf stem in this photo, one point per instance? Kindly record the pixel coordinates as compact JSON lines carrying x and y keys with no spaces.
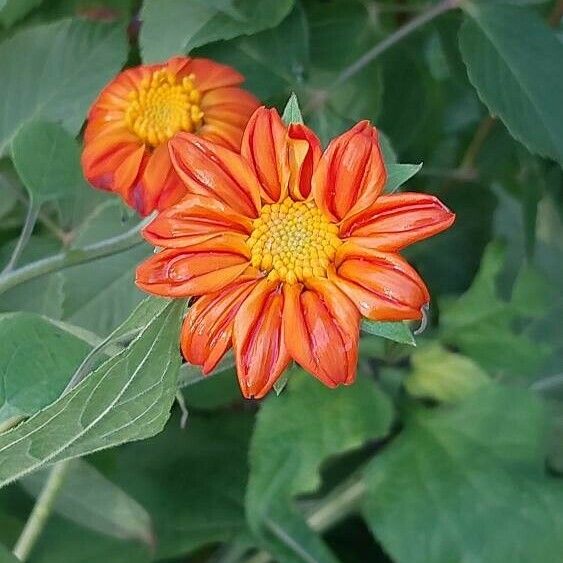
{"x":41,"y":511}
{"x":422,"y":19}
{"x":72,"y":257}
{"x":25,"y":235}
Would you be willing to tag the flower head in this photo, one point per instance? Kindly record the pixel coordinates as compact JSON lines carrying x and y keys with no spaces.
{"x":286,"y":248}
{"x":134,"y":117}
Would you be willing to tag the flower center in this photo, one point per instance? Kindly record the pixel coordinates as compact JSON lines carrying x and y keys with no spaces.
{"x":293,"y":241}
{"x":162,"y":106}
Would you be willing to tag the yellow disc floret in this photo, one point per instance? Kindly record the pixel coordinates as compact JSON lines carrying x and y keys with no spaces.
{"x":163,"y":105}
{"x":292,"y":241}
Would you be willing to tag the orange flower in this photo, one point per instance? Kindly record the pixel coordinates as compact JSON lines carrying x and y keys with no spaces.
{"x":135,"y":115}
{"x":286,"y":249}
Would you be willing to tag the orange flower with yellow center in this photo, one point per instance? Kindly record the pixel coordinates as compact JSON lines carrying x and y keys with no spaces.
{"x":134,"y":117}
{"x":286,"y":248}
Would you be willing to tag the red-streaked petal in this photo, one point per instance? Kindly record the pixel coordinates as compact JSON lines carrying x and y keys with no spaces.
{"x":194,"y":220}
{"x":304,"y":149}
{"x":211,"y":170}
{"x":382,"y":285}
{"x":321,"y":327}
{"x":209,"y":74}
{"x":264,"y":146}
{"x":208,"y":326}
{"x":202,"y":269}
{"x":351,"y":173}
{"x":258,"y":340}
{"x":396,"y":221}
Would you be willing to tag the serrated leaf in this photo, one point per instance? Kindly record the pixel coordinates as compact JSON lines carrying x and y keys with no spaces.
{"x":177,"y":26}
{"x":126,"y":398}
{"x":37,"y":359}
{"x":468,"y":484}
{"x":292,"y":113}
{"x":398,"y":174}
{"x":47,"y":160}
{"x":285,"y":458}
{"x":93,"y":501}
{"x":54,"y":71}
{"x":396,"y":331}
{"x":520,"y":81}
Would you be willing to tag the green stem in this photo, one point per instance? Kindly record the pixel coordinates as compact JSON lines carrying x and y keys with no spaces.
{"x":334,"y":508}
{"x":25,"y":235}
{"x":41,"y":511}
{"x":72,"y":257}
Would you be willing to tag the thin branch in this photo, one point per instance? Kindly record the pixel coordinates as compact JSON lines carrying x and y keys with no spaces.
{"x":41,"y":511}
{"x":72,"y":257}
{"x":25,"y":235}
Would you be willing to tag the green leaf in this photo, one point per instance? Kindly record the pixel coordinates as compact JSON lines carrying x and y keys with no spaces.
{"x":54,"y":72}
{"x":520,"y":81}
{"x":292,"y":113}
{"x":442,"y":375}
{"x":37,"y":360}
{"x":285,"y":458}
{"x":126,"y":398}
{"x":398,"y":174}
{"x":47,"y":160}
{"x":100,"y":295}
{"x":191,"y":481}
{"x":13,"y":10}
{"x":6,"y":555}
{"x":468,"y":484}
{"x":396,"y":331}
{"x":93,"y":501}
{"x":172,"y":27}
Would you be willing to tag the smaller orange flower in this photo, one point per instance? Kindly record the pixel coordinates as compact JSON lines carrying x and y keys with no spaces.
{"x":286,"y":247}
{"x":135,"y":115}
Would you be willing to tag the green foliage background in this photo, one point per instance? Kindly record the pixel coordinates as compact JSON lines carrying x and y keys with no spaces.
{"x":448,"y":448}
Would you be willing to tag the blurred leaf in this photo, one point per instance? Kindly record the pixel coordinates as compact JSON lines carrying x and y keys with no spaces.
{"x":468,"y":484}
{"x":398,"y":174}
{"x":6,"y":555}
{"x":54,"y":71}
{"x":442,"y":375}
{"x":100,"y":295}
{"x":519,"y":81}
{"x":37,"y":360}
{"x":172,"y":27}
{"x":47,"y":160}
{"x":13,"y":10}
{"x":483,"y":327}
{"x":273,"y":62}
{"x":91,"y":500}
{"x":398,"y":331}
{"x":285,"y":458}
{"x":126,"y":398}
{"x":292,"y":113}
{"x":191,"y":481}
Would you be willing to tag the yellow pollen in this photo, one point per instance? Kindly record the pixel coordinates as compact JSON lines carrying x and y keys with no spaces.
{"x":162,"y":105}
{"x":293,"y":241}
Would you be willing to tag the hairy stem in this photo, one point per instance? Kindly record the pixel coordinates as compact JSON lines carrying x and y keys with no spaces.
{"x":41,"y":511}
{"x":25,"y":235}
{"x":72,"y":257}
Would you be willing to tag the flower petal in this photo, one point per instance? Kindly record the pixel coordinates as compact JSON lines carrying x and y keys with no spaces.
{"x":258,"y":340}
{"x":210,"y":74}
{"x":321,"y":327}
{"x":382,"y":285}
{"x":208,"y":326}
{"x":202,"y":269}
{"x":196,"y":219}
{"x":211,"y":170}
{"x":305,"y":152}
{"x":396,"y":221}
{"x":351,"y":173}
{"x":264,"y":146}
